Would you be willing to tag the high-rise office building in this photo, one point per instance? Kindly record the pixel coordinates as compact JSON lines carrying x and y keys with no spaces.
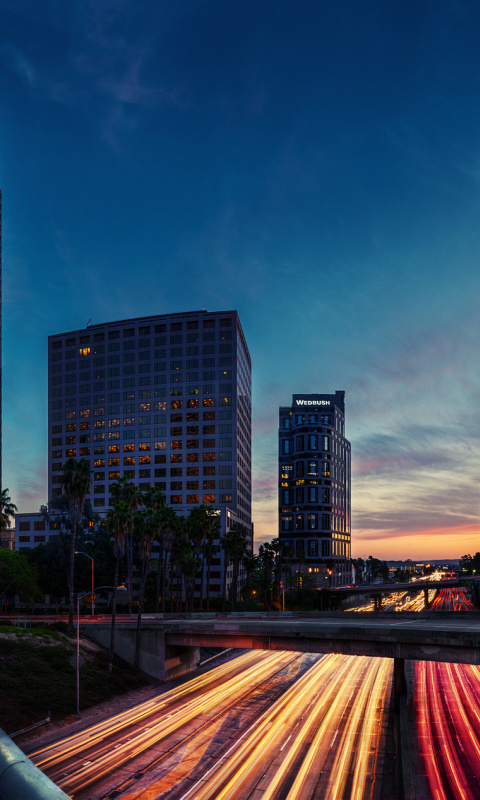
{"x":163,"y":400}
{"x":314,"y":485}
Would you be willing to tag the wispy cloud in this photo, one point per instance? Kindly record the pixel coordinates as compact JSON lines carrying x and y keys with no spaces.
{"x":103,"y":73}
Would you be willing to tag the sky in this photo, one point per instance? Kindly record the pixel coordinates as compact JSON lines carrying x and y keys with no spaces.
{"x":314,"y":164}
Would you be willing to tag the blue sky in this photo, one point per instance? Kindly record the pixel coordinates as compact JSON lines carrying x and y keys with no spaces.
{"x":313,"y":164}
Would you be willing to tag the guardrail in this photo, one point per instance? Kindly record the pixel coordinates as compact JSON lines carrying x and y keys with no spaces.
{"x":20,"y":778}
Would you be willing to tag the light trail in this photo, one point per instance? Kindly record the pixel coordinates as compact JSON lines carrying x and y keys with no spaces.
{"x":321,"y":708}
{"x":76,"y":743}
{"x":448,"y":699}
{"x":453,"y":600}
{"x":325,"y":727}
{"x":104,"y":759}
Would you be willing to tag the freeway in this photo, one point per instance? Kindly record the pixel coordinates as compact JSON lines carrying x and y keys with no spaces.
{"x":285,"y":725}
{"x":447,"y":707}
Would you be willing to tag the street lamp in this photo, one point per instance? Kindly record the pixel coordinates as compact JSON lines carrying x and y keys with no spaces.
{"x":80,"y":597}
{"x":81,"y":553}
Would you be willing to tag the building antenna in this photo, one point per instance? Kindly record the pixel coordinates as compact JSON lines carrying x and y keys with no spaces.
{"x":88,"y":323}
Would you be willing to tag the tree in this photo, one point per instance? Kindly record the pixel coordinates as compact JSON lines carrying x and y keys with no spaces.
{"x":169,"y":524}
{"x":203,"y":527}
{"x":52,"y":561}
{"x":234,"y":543}
{"x":148,"y":523}
{"x":119,"y":519}
{"x":76,"y":482}
{"x":17,"y":575}
{"x":7,"y":510}
{"x":250,"y":561}
{"x":359,"y":565}
{"x":155,"y":499}
{"x":266,"y":555}
{"x":465,"y":563}
{"x":125,"y":491}
{"x":189,"y":564}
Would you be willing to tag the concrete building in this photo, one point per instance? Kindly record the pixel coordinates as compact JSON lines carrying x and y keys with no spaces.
{"x":164,"y":400}
{"x":314,"y":486}
{"x":32,"y":529}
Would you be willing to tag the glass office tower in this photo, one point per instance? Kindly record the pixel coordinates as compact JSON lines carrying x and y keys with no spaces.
{"x":164,"y":400}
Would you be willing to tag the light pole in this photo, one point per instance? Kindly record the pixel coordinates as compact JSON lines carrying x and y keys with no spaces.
{"x":80,"y":597}
{"x":81,"y":553}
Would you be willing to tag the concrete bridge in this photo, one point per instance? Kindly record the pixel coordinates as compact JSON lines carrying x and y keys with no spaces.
{"x":170,"y":648}
{"x":376,"y":591}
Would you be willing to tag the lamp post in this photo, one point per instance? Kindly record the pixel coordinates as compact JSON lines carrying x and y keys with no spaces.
{"x":80,"y":597}
{"x":81,"y":553}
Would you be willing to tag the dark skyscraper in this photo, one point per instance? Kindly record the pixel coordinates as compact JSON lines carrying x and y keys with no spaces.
{"x":164,"y":401}
{"x":314,"y":485}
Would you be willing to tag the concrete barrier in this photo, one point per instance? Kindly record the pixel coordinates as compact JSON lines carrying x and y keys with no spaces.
{"x":20,"y":779}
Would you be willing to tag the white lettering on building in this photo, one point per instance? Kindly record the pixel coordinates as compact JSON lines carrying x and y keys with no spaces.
{"x":312,"y":402}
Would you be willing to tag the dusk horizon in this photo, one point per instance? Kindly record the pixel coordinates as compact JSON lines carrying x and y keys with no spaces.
{"x":314,"y":169}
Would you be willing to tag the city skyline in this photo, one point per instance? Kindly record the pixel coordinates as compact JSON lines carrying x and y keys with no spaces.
{"x":315,"y":169}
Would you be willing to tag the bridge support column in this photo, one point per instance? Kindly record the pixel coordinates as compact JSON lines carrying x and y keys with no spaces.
{"x":399,"y":681}
{"x":476,"y":594}
{"x":157,"y":659}
{"x":425,"y":594}
{"x":377,"y":602}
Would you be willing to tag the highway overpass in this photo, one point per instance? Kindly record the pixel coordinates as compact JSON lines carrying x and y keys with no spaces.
{"x":171,"y":647}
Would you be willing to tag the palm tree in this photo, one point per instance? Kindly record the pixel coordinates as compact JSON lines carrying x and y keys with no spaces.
{"x":119,"y":520}
{"x":178,"y":545}
{"x":7,"y":510}
{"x":250,"y":563}
{"x":165,"y":538}
{"x":155,"y":499}
{"x":203,"y":523}
{"x":210,"y":548}
{"x":266,"y":554}
{"x":234,"y":543}
{"x":148,"y":525}
{"x":76,"y":482}
{"x":238,"y":551}
{"x":190,"y":564}
{"x":123,"y":490}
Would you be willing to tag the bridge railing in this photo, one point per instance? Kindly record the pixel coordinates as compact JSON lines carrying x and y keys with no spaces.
{"x":20,"y":778}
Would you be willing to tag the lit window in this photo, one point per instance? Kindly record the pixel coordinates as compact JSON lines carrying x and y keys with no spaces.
{"x":209,"y":498}
{"x":84,"y":351}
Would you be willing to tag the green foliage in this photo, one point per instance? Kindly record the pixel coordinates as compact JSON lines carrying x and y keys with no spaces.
{"x":18,"y":576}
{"x":38,"y":678}
{"x":377,"y":569}
{"x":470,"y":565}
{"x":7,"y":510}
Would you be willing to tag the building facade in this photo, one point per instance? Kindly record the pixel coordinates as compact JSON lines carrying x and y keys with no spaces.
{"x":314,"y":486}
{"x":163,"y":400}
{"x":32,"y":529}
